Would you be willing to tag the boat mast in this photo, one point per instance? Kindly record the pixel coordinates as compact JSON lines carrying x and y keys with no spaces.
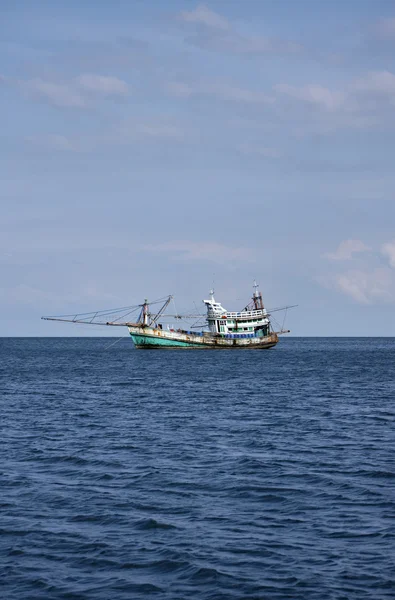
{"x":155,"y":318}
{"x":144,"y":313}
{"x":257,"y":297}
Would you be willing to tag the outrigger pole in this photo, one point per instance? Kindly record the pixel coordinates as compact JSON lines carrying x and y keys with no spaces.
{"x":102,"y":317}
{"x":145,"y":317}
{"x":161,"y":311}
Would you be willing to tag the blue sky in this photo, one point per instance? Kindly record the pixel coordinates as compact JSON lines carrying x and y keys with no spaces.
{"x":152,"y":147}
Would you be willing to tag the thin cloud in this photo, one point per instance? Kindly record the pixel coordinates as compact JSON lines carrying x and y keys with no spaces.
{"x":385,"y":28}
{"x":352,"y":98}
{"x":129,"y":132}
{"x":376,"y":82}
{"x":364,"y":286}
{"x":365,"y":102}
{"x":314,"y":94}
{"x":55,"y":142}
{"x":57,"y":94}
{"x":251,"y":148}
{"x":389,"y":252}
{"x":347,"y":249}
{"x":369,"y":284}
{"x":202,"y":15}
{"x":367,"y":287}
{"x":221,"y":90}
{"x":76,"y":93}
{"x":214,"y":32}
{"x":204,"y":251}
{"x":102,"y":85}
{"x":231,"y":42}
{"x":156,"y":130}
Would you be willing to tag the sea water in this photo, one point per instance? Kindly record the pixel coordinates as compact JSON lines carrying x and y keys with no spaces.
{"x":248,"y":474}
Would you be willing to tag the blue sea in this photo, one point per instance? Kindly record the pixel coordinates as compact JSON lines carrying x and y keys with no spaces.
{"x":210,"y":475}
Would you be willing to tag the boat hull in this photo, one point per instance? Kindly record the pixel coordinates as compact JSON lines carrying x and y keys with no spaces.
{"x":157,"y":339}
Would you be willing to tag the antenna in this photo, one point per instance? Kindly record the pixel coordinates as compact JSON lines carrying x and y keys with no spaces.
{"x":212,"y":291}
{"x":257,"y":297}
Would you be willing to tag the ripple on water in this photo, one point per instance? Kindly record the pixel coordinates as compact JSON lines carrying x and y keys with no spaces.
{"x":188,"y":475}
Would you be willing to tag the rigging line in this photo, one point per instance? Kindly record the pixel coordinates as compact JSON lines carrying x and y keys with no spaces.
{"x":196,"y":323}
{"x":90,"y":321}
{"x":97,"y":312}
{"x":271,"y":310}
{"x":116,"y":311}
{"x":175,"y":307}
{"x":124,"y":315}
{"x":94,"y":317}
{"x":94,"y":324}
{"x":161,"y":312}
{"x":113,"y":343}
{"x":157,"y":301}
{"x":106,"y":311}
{"x":277,"y":324}
{"x":116,"y":316}
{"x":285,"y":316}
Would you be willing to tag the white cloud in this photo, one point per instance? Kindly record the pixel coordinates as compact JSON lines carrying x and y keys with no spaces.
{"x":77,"y":92}
{"x":102,"y":84}
{"x":366,"y":287}
{"x":347,"y":249}
{"x":136,"y":129}
{"x":353,"y":100}
{"x":369,"y":284}
{"x":336,"y":109}
{"x":180,"y":89}
{"x":314,"y":94}
{"x":379,"y":82}
{"x":23,"y":294}
{"x":365,"y":102}
{"x":202,"y":15}
{"x":250,"y":148}
{"x":206,"y":251}
{"x":54,"y":141}
{"x":214,"y":32}
{"x":159,"y":130}
{"x":385,"y":28}
{"x":129,"y":132}
{"x":238,"y":94}
{"x":221,"y":90}
{"x":263,"y":45}
{"x":389,"y":251}
{"x":58,"y":94}
{"x":353,"y":284}
{"x":231,"y":42}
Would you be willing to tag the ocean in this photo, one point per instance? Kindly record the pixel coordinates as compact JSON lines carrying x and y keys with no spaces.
{"x":182,"y":475}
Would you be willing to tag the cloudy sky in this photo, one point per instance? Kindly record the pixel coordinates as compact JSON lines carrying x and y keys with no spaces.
{"x":151,"y":147}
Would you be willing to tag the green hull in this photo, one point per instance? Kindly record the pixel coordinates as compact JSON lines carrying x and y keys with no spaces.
{"x":145,"y":341}
{"x":151,"y":342}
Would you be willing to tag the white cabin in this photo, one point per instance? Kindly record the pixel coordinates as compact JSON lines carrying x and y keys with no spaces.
{"x":246,"y":323}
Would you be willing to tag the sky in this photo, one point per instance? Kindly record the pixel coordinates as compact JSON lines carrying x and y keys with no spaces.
{"x":151,"y":148}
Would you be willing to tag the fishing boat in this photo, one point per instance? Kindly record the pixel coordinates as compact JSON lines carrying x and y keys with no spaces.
{"x":250,"y":328}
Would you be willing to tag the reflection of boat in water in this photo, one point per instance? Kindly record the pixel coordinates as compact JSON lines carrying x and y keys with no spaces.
{"x":249,"y":328}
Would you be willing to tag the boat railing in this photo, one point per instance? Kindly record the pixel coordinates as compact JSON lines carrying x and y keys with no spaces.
{"x":249,"y":314}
